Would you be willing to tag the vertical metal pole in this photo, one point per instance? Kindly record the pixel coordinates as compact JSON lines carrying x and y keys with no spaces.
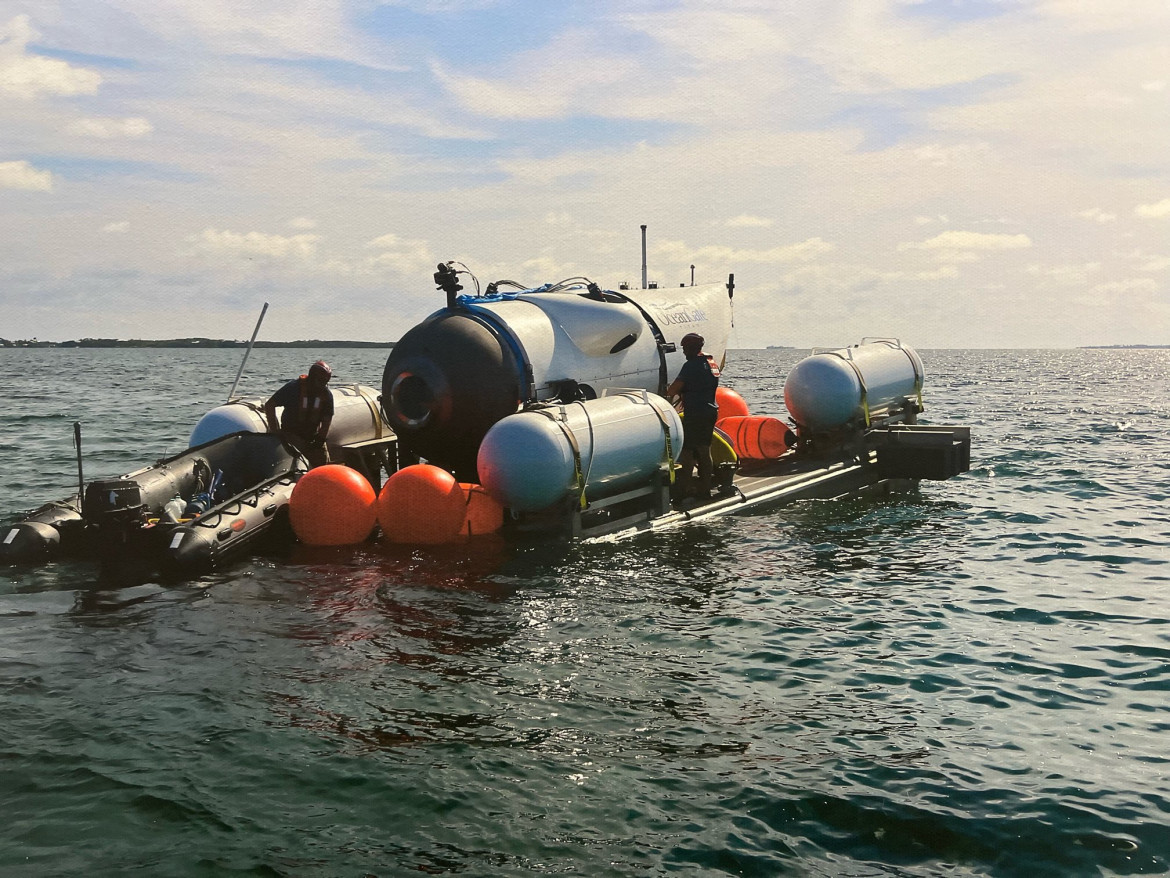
{"x":255,"y":332}
{"x":643,"y":257}
{"x":692,"y":275}
{"x":80,"y":474}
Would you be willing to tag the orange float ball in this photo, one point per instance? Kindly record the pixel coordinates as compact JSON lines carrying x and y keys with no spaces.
{"x":332,"y":505}
{"x":484,"y":514}
{"x":731,"y":404}
{"x":421,"y":504}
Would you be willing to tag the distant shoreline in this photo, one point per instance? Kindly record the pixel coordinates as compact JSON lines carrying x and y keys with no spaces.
{"x":188,"y":343}
{"x":196,"y":343}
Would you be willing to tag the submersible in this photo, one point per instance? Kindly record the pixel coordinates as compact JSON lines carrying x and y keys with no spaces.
{"x":486,"y":355}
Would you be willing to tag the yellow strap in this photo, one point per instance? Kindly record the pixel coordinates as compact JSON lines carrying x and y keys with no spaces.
{"x":579,"y":477}
{"x":669,"y":455}
{"x":669,"y":461}
{"x":861,"y":381}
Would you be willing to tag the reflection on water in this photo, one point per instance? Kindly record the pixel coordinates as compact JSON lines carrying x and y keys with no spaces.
{"x":968,"y":679}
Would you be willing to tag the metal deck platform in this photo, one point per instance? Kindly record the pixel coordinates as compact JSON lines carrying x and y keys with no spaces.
{"x":891,"y":459}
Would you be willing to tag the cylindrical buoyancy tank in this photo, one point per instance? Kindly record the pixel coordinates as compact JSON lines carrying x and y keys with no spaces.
{"x":828,"y":390}
{"x":233,"y":417}
{"x":356,"y":417}
{"x":465,"y":367}
{"x":527,"y":461}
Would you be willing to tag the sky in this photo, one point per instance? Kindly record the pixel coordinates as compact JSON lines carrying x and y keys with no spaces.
{"x":954,"y":173}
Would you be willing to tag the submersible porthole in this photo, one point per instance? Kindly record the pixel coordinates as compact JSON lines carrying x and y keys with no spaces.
{"x":412,"y":398}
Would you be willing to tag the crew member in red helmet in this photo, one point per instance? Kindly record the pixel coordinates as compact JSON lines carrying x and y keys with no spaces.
{"x":696,"y":384}
{"x":308,"y":412}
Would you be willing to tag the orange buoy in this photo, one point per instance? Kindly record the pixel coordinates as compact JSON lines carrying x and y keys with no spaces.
{"x":484,"y":514}
{"x":756,"y":437}
{"x":421,"y":504}
{"x":332,"y":505}
{"x":731,"y":404}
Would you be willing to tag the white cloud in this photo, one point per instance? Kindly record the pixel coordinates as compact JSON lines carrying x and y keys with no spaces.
{"x":943,"y":272}
{"x":869,"y":49}
{"x":1155,"y":263}
{"x":1156,"y":210}
{"x":949,"y":156}
{"x":718,"y":34}
{"x":957,"y":241}
{"x":30,"y":76}
{"x":802,"y":251}
{"x":1097,"y":214}
{"x":747,"y":221}
{"x":22,"y":175}
{"x":111,"y":129}
{"x":408,"y":257}
{"x":1064,"y":275}
{"x":792,"y":146}
{"x":296,"y":29}
{"x":254,"y":244}
{"x":1114,"y":16}
{"x":1140,"y":285}
{"x":548,"y":82}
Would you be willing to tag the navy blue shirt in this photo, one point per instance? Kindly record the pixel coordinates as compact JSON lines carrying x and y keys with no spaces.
{"x":699,"y":377}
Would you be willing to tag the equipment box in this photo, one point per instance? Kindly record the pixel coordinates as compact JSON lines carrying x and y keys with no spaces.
{"x":922,"y":452}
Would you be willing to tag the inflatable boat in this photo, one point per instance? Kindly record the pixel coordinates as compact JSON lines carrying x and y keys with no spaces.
{"x":222,"y":497}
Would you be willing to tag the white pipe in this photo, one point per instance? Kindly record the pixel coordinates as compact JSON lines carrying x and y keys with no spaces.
{"x":255,"y":332}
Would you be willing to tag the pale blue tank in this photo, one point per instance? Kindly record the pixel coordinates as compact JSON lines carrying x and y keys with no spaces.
{"x":829,"y":390}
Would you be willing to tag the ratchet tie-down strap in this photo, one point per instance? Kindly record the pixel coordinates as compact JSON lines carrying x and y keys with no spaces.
{"x":578,"y":475}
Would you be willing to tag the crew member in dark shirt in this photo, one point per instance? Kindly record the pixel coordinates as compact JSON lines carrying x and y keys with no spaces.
{"x":308,"y":412}
{"x":696,"y":384}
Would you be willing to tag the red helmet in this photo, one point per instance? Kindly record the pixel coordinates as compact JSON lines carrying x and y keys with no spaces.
{"x":692,"y":340}
{"x":321,"y":369}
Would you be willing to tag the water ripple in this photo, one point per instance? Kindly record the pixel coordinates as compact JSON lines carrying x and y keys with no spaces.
{"x":968,"y":679}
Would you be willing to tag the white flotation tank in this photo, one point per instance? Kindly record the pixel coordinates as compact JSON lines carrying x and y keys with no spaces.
{"x":233,"y":417}
{"x":356,"y":417}
{"x":527,"y":461}
{"x":828,"y":390}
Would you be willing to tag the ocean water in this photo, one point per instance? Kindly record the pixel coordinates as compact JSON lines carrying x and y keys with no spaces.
{"x":972,"y":679}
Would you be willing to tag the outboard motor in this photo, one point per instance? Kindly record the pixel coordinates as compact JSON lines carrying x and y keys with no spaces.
{"x":114,"y":502}
{"x":115,"y":510}
{"x":483,"y":357}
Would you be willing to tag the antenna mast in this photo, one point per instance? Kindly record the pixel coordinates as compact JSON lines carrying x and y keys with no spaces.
{"x":643,"y":257}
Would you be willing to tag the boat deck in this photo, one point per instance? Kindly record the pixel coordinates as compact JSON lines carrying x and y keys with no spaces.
{"x":893,"y":459}
{"x":768,"y":485}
